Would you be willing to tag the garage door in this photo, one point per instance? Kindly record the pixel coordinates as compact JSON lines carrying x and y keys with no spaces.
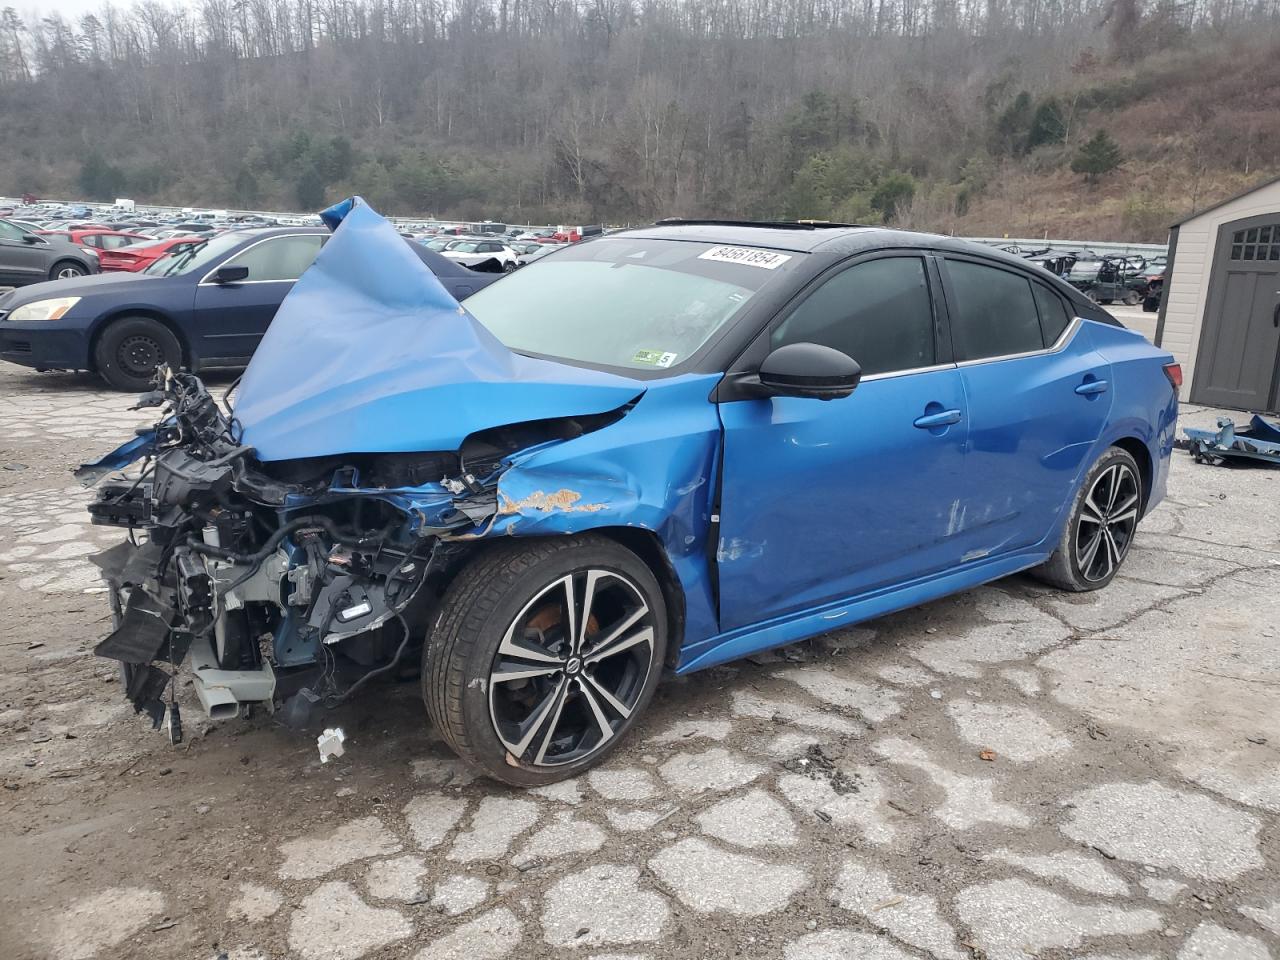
{"x":1240,"y":341}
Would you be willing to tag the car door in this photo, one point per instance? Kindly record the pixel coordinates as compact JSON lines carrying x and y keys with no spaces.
{"x":825,"y":500}
{"x":22,"y":261}
{"x":1039,"y":397}
{"x":230,"y":318}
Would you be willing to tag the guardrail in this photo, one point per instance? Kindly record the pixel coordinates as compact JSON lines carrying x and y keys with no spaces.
{"x":1097,"y":246}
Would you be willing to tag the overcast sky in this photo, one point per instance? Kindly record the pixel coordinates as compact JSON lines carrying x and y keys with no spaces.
{"x":71,"y":9}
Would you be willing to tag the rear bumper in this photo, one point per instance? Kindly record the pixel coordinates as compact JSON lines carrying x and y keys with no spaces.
{"x":44,"y":345}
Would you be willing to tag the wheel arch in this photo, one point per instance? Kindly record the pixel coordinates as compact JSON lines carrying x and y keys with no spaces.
{"x":1142,"y":456}
{"x":149,"y":313}
{"x":645,"y":544}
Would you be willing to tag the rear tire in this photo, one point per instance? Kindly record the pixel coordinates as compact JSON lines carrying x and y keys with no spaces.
{"x":67,"y":270}
{"x":1100,"y":530}
{"x":570,"y":695}
{"x":1132,"y":298}
{"x":129,"y":350}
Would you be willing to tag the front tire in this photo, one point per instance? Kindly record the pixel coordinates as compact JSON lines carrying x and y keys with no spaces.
{"x":1099,"y":532}
{"x":543,"y":655}
{"x":129,"y":350}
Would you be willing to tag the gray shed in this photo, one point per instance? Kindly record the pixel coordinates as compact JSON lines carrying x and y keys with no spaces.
{"x":1220,"y":315}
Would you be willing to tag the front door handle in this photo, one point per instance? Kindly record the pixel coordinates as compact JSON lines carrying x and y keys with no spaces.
{"x":1091,"y":388}
{"x":931,"y":420}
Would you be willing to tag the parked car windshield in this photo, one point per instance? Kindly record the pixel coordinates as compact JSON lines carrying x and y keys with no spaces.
{"x":197,"y":257}
{"x":622,"y":302}
{"x":463,"y":246}
{"x":1085,"y":269}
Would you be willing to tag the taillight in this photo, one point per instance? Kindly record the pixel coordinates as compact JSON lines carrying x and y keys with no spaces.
{"x":1174,"y":372}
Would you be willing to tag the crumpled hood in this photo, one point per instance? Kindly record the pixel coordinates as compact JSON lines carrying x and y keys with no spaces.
{"x":370,"y":354}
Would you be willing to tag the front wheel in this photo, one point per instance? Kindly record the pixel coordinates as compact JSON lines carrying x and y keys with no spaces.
{"x":129,"y":350}
{"x":509,"y":266}
{"x":1100,"y":530}
{"x":543,"y":655}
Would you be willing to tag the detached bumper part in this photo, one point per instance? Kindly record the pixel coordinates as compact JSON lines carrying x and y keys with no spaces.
{"x":1260,"y":442}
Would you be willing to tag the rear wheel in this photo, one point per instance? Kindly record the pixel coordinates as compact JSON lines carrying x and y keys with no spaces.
{"x":1100,"y":531}
{"x":543,"y":656}
{"x":67,"y":270}
{"x":1132,"y":298}
{"x":129,"y":350}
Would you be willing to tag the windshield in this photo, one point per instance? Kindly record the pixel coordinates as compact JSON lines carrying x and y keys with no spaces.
{"x":1085,"y":269}
{"x":621,"y":302}
{"x":463,"y":246}
{"x":199,"y":256}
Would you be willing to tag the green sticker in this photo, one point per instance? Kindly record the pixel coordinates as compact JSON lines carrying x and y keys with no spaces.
{"x":651,"y":357}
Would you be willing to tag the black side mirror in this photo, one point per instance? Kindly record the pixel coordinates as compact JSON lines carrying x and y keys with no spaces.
{"x":31,"y":238}
{"x":230,"y":274}
{"x":809,"y":370}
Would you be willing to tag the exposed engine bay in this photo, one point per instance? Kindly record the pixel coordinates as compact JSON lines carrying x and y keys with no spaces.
{"x":290,"y":582}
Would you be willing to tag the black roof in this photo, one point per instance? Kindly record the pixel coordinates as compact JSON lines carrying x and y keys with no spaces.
{"x":841,"y":239}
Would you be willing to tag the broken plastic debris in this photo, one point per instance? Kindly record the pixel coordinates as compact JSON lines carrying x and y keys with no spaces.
{"x":330,"y":743}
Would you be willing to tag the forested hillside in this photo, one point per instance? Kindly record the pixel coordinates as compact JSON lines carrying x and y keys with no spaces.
{"x":1067,"y":117}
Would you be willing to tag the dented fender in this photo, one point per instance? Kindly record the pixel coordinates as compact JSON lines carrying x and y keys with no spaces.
{"x":654,"y":469}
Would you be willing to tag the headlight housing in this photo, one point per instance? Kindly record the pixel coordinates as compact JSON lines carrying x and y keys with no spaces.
{"x":52,"y":309}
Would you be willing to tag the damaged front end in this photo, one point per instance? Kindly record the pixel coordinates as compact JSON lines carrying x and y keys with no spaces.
{"x":278,"y":578}
{"x":294,"y":547}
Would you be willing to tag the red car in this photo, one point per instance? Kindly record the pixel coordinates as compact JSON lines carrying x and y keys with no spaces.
{"x":97,"y":238}
{"x":138,"y":256}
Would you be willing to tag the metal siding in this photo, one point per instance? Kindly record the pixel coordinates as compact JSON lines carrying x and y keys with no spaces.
{"x":1189,"y":285}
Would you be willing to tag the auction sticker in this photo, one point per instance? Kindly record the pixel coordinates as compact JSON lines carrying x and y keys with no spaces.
{"x":655,"y":358}
{"x":749,"y":256}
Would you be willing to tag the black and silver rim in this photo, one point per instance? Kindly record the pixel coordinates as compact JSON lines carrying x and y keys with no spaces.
{"x":68,"y":272}
{"x":138,"y":356}
{"x":1108,"y":519}
{"x":571,"y":668}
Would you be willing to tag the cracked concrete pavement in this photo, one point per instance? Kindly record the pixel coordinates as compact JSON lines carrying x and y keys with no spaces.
{"x":829,"y":800}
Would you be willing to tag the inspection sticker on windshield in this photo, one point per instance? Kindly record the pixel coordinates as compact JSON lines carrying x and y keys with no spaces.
{"x":746,"y":255}
{"x":655,"y":358}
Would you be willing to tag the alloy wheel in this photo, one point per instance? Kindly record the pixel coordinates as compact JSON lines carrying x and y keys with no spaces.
{"x":70,"y":273}
{"x":571,"y":668}
{"x":1108,"y":520}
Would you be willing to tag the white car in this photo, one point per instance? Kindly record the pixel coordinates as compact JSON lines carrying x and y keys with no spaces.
{"x":473,"y":253}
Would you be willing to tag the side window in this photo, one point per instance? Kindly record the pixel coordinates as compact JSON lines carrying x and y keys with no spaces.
{"x":9,"y":232}
{"x":877,"y":312}
{"x":115,"y":243}
{"x":994,"y":314}
{"x":1053,"y":315}
{"x":281,"y":258}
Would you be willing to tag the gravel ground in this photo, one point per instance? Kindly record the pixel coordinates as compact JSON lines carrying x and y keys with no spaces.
{"x":1008,"y":773}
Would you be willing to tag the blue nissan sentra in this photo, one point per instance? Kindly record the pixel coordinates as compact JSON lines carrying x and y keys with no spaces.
{"x":667,"y":447}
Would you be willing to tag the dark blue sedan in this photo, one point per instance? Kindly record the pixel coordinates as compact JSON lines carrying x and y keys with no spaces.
{"x":207,"y":306}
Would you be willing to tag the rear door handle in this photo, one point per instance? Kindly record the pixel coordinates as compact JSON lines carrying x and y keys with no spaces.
{"x":943,"y":419}
{"x":1092,"y":388}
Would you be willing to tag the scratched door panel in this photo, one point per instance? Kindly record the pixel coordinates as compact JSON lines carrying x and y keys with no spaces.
{"x":830,"y":499}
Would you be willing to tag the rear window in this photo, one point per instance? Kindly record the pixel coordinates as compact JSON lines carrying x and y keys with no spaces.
{"x":994,"y":313}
